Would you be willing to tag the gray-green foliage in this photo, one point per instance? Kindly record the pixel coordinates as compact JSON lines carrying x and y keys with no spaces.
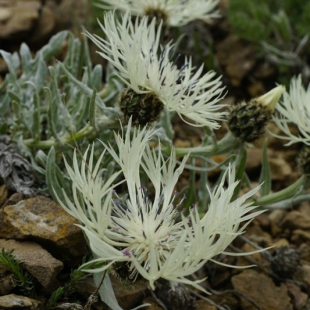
{"x":282,"y":21}
{"x":281,"y":30}
{"x":24,"y":280}
{"x":48,"y":102}
{"x":68,"y":289}
{"x":47,"y":106}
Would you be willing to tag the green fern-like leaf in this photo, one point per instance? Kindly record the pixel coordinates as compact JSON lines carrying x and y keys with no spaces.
{"x":24,"y":280}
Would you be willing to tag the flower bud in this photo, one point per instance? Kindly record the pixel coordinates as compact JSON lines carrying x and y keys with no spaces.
{"x":270,"y":99}
{"x":247,"y":121}
{"x":143,"y":108}
{"x":285,"y":262}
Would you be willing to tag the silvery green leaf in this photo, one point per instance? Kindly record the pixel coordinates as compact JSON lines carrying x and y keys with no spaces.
{"x":4,"y":104}
{"x":73,"y":59}
{"x":240,"y":164}
{"x":25,"y":57}
{"x":52,"y":117}
{"x":110,"y":113}
{"x":92,"y":117}
{"x":86,"y":54}
{"x":282,"y":24}
{"x":203,"y":195}
{"x":15,"y":98}
{"x":61,"y":119}
{"x":95,"y":79}
{"x":4,"y":85}
{"x":41,"y":158}
{"x":40,"y":75}
{"x":54,"y":46}
{"x":39,"y":162}
{"x":106,"y":292}
{"x":54,"y":178}
{"x":165,"y":123}
{"x":12,"y":61}
{"x":109,"y":170}
{"x":36,"y":124}
{"x":160,"y":134}
{"x":190,"y":189}
{"x":84,"y":88}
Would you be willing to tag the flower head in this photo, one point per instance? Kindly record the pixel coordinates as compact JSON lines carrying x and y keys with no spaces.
{"x":147,"y":231}
{"x":175,"y":12}
{"x":134,"y":50}
{"x":247,"y":121}
{"x":294,"y":109}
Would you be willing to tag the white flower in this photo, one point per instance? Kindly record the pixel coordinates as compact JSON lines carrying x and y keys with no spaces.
{"x":134,"y":50}
{"x":177,"y":12}
{"x":95,"y":208}
{"x":151,"y":235}
{"x":295,"y":109}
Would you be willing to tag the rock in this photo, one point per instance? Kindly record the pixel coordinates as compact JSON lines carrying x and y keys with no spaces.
{"x":69,"y":14}
{"x":254,"y":160}
{"x":127,"y":293}
{"x":153,"y":305}
{"x":299,"y":298}
{"x":225,"y":300}
{"x":261,"y":290}
{"x":34,"y":21}
{"x":256,"y":89}
{"x":304,"y":275}
{"x":304,"y":208}
{"x":43,"y":219}
{"x":18,"y":18}
{"x":295,"y":220}
{"x":203,"y":305}
{"x":46,"y":23}
{"x":264,"y":70}
{"x":281,"y":243}
{"x":276,"y":217}
{"x":256,"y":234}
{"x":15,"y":198}
{"x":5,"y":15}
{"x":237,"y":57}
{"x":37,"y":261}
{"x":279,"y":168}
{"x":299,"y":236}
{"x":16,"y":302}
{"x":7,"y":283}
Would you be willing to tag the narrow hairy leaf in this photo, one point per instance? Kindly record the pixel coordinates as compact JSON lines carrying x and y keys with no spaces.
{"x":92,"y":105}
{"x":240,"y":164}
{"x":53,"y":175}
{"x":54,"y":46}
{"x":106,"y":291}
{"x":265,"y":176}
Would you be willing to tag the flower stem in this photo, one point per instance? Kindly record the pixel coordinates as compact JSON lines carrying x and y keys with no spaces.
{"x":285,"y":193}
{"x":225,"y":145}
{"x":67,"y":138}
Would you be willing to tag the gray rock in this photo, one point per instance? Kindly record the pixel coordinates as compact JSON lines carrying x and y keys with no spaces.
{"x":37,"y":261}
{"x":35,"y":21}
{"x":15,"y":302}
{"x":42,"y":219}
